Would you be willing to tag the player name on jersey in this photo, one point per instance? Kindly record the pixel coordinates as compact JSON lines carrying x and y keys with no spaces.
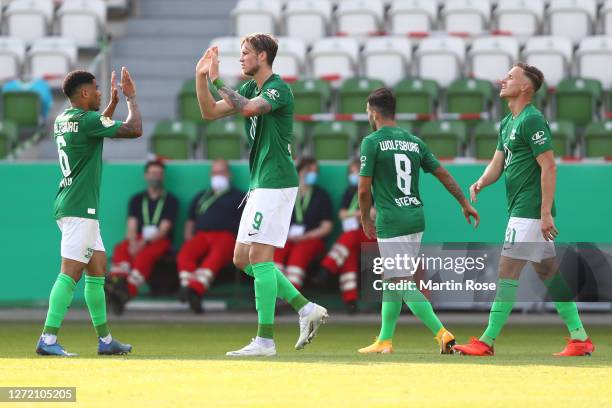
{"x":65,"y":127}
{"x":403,"y":145}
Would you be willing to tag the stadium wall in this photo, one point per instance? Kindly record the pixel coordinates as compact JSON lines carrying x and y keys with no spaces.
{"x":30,"y":239}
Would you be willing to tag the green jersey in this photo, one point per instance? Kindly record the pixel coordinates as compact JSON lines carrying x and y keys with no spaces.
{"x":270,"y":135}
{"x":522,"y":139}
{"x":393,"y":158}
{"x":79,"y":137}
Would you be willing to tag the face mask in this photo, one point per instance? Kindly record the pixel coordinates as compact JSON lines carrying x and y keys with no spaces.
{"x":155,"y":183}
{"x":219,"y":183}
{"x":353,"y":179}
{"x":310,"y":178}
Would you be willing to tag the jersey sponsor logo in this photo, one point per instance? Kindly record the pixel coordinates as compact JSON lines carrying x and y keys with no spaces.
{"x":272,"y":94}
{"x":402,"y":145}
{"x":106,"y":121}
{"x":363,"y":161}
{"x":65,"y":127}
{"x":539,"y":138}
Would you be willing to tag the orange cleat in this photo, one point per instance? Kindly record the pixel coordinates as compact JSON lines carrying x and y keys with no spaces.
{"x":446,"y":341}
{"x":576,"y":348}
{"x":474,"y":348}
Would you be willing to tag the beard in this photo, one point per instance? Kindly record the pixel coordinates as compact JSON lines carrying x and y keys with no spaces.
{"x":372,"y":125}
{"x":252,"y":71}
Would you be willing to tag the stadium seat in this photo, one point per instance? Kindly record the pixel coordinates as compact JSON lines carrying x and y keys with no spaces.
{"x":174,"y":139}
{"x":486,"y":135}
{"x":577,"y":100}
{"x":594,"y":59}
{"x":229,"y":58}
{"x":469,"y":96}
{"x":387,"y":58}
{"x":598,"y":139}
{"x":521,"y":18}
{"x":416,"y":96}
{"x":492,"y":57}
{"x":360,"y":17}
{"x":563,"y":137}
{"x":290,"y":57}
{"x":8,"y":137}
{"x":224,"y":139}
{"x":83,"y":21}
{"x":12,"y":55}
{"x":299,"y":139}
{"x":466,"y":16}
{"x":412,"y":17}
{"x":444,"y":138}
{"x":52,"y":58}
{"x":540,"y":100}
{"x":441,"y":59}
{"x":256,"y":16}
{"x":22,"y":108}
{"x":354,"y":92}
{"x":311,"y":96}
{"x":606,"y":17}
{"x":334,"y":140}
{"x":334,"y":58}
{"x":188,"y":108}
{"x":572,"y":19}
{"x":552,"y":55}
{"x":29,"y":19}
{"x":406,"y":125}
{"x":308,"y":19}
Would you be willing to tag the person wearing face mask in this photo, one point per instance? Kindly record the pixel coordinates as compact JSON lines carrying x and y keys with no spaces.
{"x":152,"y":215}
{"x":343,"y":257}
{"x":210,"y":235}
{"x":311,"y":222}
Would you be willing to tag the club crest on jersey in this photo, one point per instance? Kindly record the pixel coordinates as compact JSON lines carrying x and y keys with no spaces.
{"x":272,"y":94}
{"x":512,"y":134}
{"x":106,"y":121}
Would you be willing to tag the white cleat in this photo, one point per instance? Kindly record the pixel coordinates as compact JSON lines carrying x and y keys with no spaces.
{"x":309,"y":325}
{"x":253,"y":349}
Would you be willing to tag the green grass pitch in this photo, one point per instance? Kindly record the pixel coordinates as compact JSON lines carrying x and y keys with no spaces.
{"x":184,"y":365}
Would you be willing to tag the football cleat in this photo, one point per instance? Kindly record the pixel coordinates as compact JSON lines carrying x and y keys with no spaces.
{"x":309,"y":325}
{"x":54,"y":349}
{"x":379,"y":346}
{"x":474,"y":348}
{"x":113,"y":348}
{"x":575,"y":348}
{"x":253,"y":349}
{"x":446,"y":340}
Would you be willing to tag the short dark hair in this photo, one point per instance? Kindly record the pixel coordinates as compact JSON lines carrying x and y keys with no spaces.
{"x":74,"y":80}
{"x":152,"y":163}
{"x":535,"y":75}
{"x":382,"y":101}
{"x":305,"y":162}
{"x":263,"y":43}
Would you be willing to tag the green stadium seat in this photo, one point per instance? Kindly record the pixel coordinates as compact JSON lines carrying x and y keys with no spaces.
{"x":469,"y":96}
{"x":22,"y":108}
{"x":444,"y":138}
{"x":354,"y":92}
{"x":8,"y":137}
{"x":598,"y":139}
{"x":540,"y":100}
{"x":299,"y":138}
{"x":311,"y":96}
{"x":416,"y":95}
{"x":486,"y":135}
{"x":563,"y":137}
{"x":223,"y":139}
{"x":577,"y":100}
{"x":334,"y":140}
{"x":188,"y":102}
{"x":174,"y":139}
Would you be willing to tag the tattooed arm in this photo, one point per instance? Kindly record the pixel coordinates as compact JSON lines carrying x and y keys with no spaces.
{"x":451,"y":185}
{"x":246,"y":107}
{"x":132,"y":127}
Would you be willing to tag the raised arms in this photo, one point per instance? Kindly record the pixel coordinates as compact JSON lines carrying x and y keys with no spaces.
{"x":132,"y":127}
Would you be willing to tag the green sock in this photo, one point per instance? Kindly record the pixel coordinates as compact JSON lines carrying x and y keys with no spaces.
{"x":502,"y":306}
{"x":265,"y":297}
{"x":96,"y":303}
{"x":249,"y":270}
{"x":421,"y":308}
{"x":59,"y":302}
{"x":389,"y":313}
{"x":567,"y":309}
{"x":288,"y":292}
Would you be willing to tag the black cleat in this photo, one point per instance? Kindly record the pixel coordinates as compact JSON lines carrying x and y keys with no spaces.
{"x":195,"y":301}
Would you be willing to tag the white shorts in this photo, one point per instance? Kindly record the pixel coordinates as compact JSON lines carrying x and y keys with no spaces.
{"x":408,"y":245}
{"x":267,"y":216}
{"x":524,"y":240}
{"x":80,"y":237}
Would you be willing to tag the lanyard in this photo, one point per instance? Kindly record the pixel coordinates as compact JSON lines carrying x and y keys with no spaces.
{"x":203,"y":204}
{"x":156,"y":214}
{"x":301,"y":206}
{"x":354,"y":203}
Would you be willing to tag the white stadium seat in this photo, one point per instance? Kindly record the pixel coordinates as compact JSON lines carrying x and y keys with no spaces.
{"x":520,"y":17}
{"x":387,"y":58}
{"x":229,"y":58}
{"x":466,"y":16}
{"x":552,"y":55}
{"x":571,"y":18}
{"x":492,"y":57}
{"x":441,"y":59}
{"x":308,"y":19}
{"x":290,"y":57}
{"x":335,"y":57}
{"x":29,"y":19}
{"x":606,"y":17}
{"x":594,"y":59}
{"x":82,"y":20}
{"x":52,"y":58}
{"x":251,"y":16}
{"x":360,"y":17}
{"x":12,"y":55}
{"x":412,"y":16}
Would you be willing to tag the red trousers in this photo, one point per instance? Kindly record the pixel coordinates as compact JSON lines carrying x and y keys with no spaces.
{"x":203,"y":256}
{"x":137,"y":268}
{"x":294,"y":258}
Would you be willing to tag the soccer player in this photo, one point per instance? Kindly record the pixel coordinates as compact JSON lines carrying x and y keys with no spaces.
{"x":267,"y":104}
{"x":524,"y":153}
{"x":79,"y":133}
{"x":391,"y":159}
